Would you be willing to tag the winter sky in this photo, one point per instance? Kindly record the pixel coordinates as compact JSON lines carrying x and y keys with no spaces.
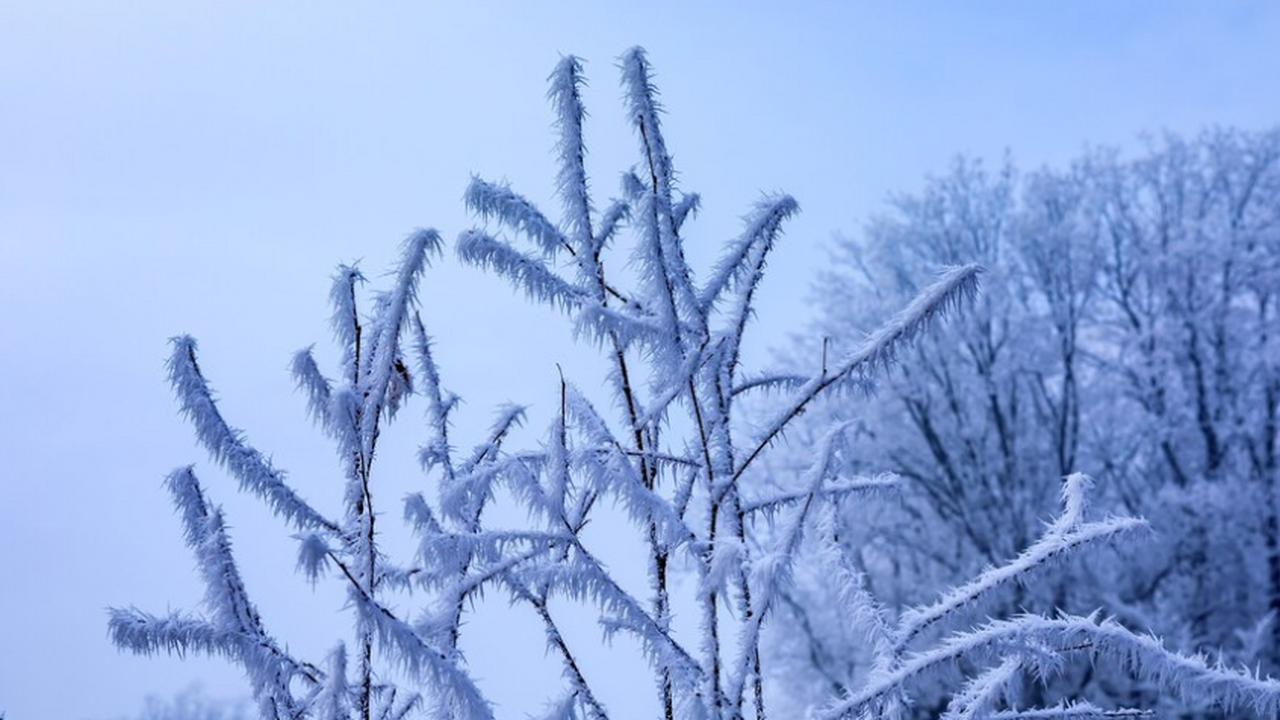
{"x":200,"y":167}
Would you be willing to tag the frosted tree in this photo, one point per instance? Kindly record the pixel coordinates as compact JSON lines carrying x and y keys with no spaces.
{"x":1190,"y":279}
{"x":1122,"y":331}
{"x":962,"y":420}
{"x":671,"y":445}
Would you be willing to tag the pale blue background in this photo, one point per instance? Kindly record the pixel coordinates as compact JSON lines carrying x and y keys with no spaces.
{"x":200,"y":167}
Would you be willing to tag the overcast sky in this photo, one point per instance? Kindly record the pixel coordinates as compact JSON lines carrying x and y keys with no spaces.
{"x":200,"y":167}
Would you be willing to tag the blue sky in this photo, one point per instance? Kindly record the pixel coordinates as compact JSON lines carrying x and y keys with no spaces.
{"x":200,"y":167}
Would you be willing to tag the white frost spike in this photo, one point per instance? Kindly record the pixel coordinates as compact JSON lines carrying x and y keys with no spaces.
{"x":614,"y":217}
{"x":334,"y":700}
{"x":726,"y":562}
{"x":1075,"y":503}
{"x":399,"y":709}
{"x":633,"y":188}
{"x":686,"y":208}
{"x":981,"y":694}
{"x":564,"y":708}
{"x":313,"y":555}
{"x":418,"y":513}
{"x":311,"y":381}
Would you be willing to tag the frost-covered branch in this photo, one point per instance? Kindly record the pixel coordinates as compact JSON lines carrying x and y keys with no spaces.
{"x":1047,"y":549}
{"x":528,"y":273}
{"x":878,"y":349}
{"x":1071,"y":711}
{"x":498,"y":201}
{"x":832,"y":491}
{"x":227,"y":446}
{"x":234,"y":629}
{"x":771,"y":572}
{"x":1192,"y":678}
{"x":737,"y":264}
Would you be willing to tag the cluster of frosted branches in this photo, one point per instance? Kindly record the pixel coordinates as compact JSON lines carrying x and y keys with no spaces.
{"x":374,"y":380}
{"x":671,"y":450}
{"x":992,"y":657}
